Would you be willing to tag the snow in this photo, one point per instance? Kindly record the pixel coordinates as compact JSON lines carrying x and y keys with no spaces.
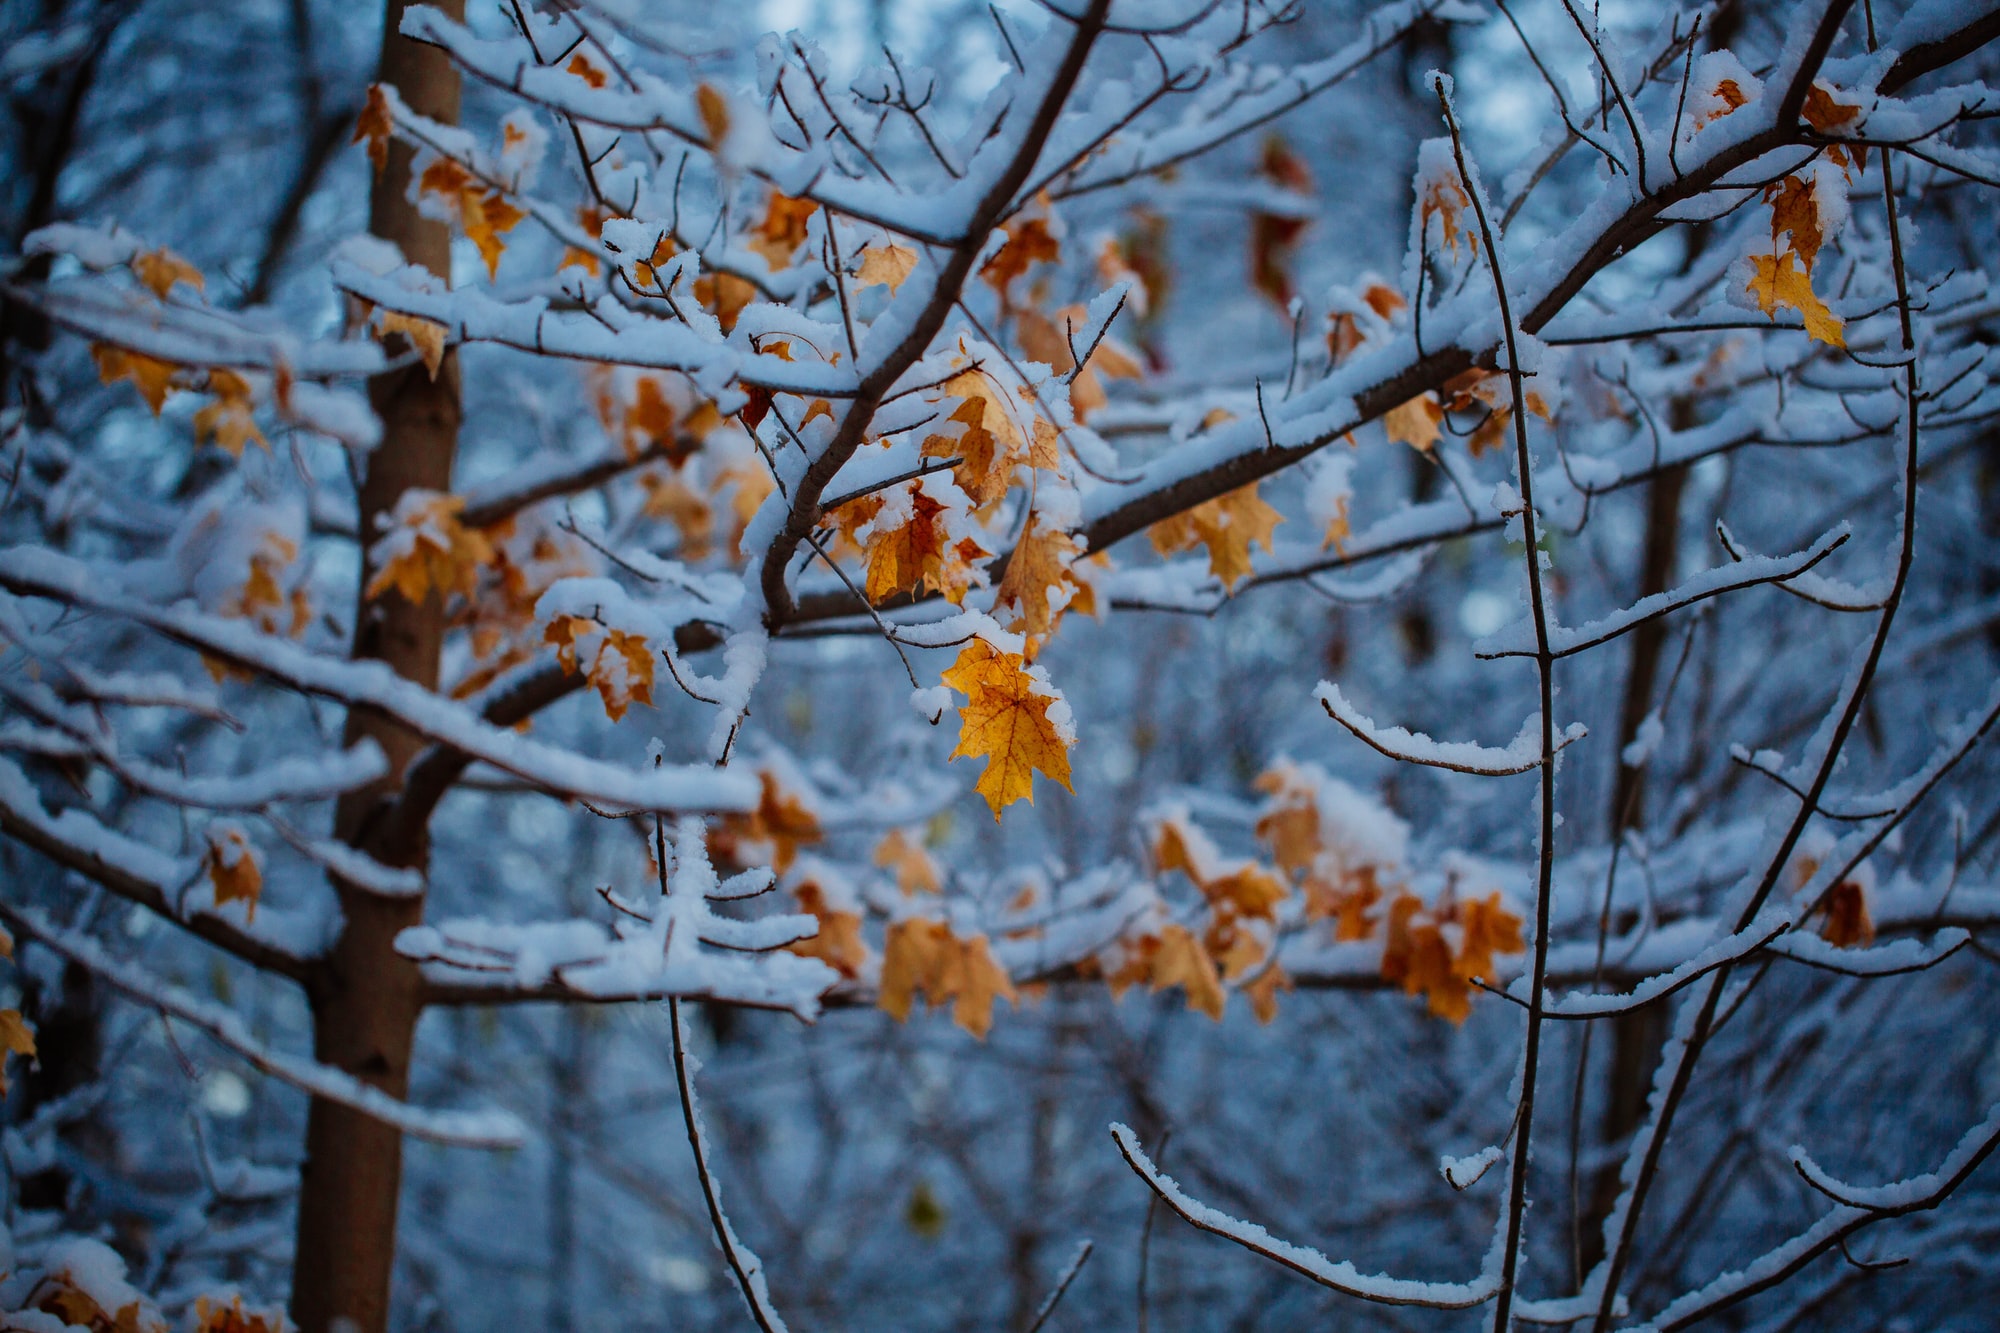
{"x":1520,"y":755}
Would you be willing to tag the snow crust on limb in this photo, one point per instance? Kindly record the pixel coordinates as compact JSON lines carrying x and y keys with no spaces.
{"x":1519,"y":755}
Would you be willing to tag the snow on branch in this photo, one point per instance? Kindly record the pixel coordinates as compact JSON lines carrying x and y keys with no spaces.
{"x":1855,"y":1208}
{"x":464,"y":1129}
{"x":139,"y":873}
{"x":1519,"y":755}
{"x":1518,"y":640}
{"x":1342,"y":1276}
{"x":37,"y":572}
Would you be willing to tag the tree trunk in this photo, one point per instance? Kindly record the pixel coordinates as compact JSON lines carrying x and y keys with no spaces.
{"x":365,"y":998}
{"x":1638,"y":1034}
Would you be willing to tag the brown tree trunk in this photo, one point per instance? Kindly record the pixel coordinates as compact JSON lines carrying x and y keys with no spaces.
{"x":1636,"y":1035}
{"x":365,"y":998}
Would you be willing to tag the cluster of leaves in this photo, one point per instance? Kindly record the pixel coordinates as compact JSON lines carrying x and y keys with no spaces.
{"x":81,"y":1284}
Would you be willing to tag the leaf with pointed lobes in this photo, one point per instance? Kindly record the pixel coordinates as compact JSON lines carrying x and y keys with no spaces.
{"x":1038,"y":585}
{"x":231,"y":419}
{"x":769,"y":835}
{"x":375,"y":124}
{"x":1826,"y":113}
{"x":16,"y":1038}
{"x":839,"y":943}
{"x":924,"y":956}
{"x":426,"y":335}
{"x":1416,"y":423}
{"x":160,"y":269}
{"x":915,"y":551}
{"x":1477,"y":388}
{"x":262,"y":598}
{"x":1795,"y":210}
{"x":1014,"y":718}
{"x":149,"y":376}
{"x":231,"y":863}
{"x":885,"y":265}
{"x":1776,"y":281}
{"x":427,"y":548}
{"x":1228,"y":526}
{"x":1175,"y":958}
{"x":484,"y":214}
{"x":621,"y":669}
{"x":1233,"y":888}
{"x":915,"y":871}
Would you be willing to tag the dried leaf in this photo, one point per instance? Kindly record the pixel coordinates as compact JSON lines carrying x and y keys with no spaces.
{"x":149,"y":376}
{"x":887,"y":264}
{"x":714,"y":110}
{"x":426,"y":335}
{"x":160,"y":269}
{"x":839,"y":943}
{"x":1228,"y":526}
{"x":1416,"y":423}
{"x":1775,"y":281}
{"x":375,"y":124}
{"x":231,"y":863}
{"x":1008,"y":718}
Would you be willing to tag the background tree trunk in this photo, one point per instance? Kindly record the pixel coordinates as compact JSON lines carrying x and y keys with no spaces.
{"x":365,"y":999}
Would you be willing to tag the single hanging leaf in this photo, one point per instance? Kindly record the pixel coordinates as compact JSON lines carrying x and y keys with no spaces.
{"x":375,"y":124}
{"x":160,"y":269}
{"x":150,"y":377}
{"x":426,"y":335}
{"x":1179,"y":960}
{"x":1776,"y":281}
{"x":839,"y":943}
{"x":1416,"y":423}
{"x":1795,"y":209}
{"x":885,"y":264}
{"x":1014,"y":718}
{"x":231,"y":419}
{"x":232,"y":868}
{"x":1037,"y":584}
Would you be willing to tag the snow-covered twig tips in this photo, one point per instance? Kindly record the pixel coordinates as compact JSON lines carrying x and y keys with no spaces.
{"x":1519,"y":755}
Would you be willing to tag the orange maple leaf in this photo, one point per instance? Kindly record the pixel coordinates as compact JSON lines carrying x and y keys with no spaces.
{"x":1014,"y":718}
{"x":232,"y":866}
{"x":428,"y":548}
{"x":16,"y":1038}
{"x":839,"y":943}
{"x":1775,"y":281}
{"x":915,"y":871}
{"x":426,"y":335}
{"x":160,"y":269}
{"x":231,"y":419}
{"x":783,"y":229}
{"x":1037,"y":578}
{"x":1228,"y":526}
{"x":919,"y":955}
{"x":375,"y":124}
{"x":149,"y":376}
{"x":1029,"y":241}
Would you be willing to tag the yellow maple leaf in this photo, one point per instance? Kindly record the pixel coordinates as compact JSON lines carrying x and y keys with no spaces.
{"x":1228,"y":526}
{"x":429,"y":548}
{"x":1007,"y":719}
{"x":149,"y":376}
{"x":839,"y":944}
{"x":16,"y":1038}
{"x":1486,"y":928}
{"x":925,"y":956}
{"x":231,"y":863}
{"x":1179,"y":960}
{"x":1415,"y":423}
{"x":1263,"y":991}
{"x":426,"y":335}
{"x":918,"y":553}
{"x":1776,"y":281}
{"x":915,"y":871}
{"x":231,"y":419}
{"x":1039,"y":566}
{"x":885,"y":264}
{"x":160,"y":269}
